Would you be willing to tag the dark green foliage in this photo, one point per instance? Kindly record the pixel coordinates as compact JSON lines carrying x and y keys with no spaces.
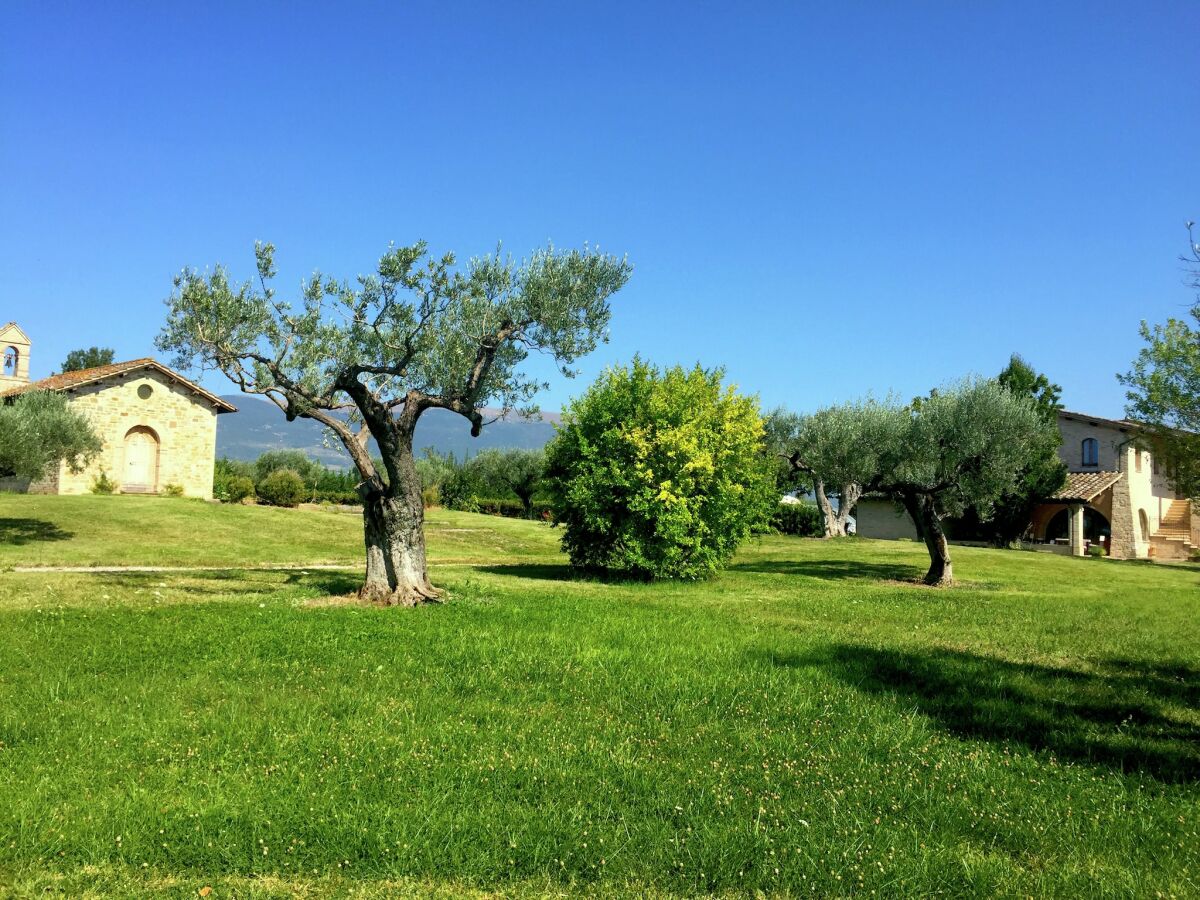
{"x":321,"y":484}
{"x":238,"y":488}
{"x":512,"y":472}
{"x":336,"y":483}
{"x":1043,"y":473}
{"x":282,"y":487}
{"x":1164,"y":387}
{"x":339,"y":497}
{"x":460,"y":487}
{"x":491,"y":482}
{"x":800,"y":519}
{"x":87,"y":359}
{"x":298,"y":461}
{"x":513,"y":509}
{"x":659,"y":474}
{"x":225,"y":470}
{"x":434,"y":468}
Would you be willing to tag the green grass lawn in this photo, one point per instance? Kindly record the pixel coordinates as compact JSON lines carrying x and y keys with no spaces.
{"x":164,"y":531}
{"x":810,"y":723}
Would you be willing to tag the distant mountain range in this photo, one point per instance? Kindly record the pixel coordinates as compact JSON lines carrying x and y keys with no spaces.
{"x":258,"y":426}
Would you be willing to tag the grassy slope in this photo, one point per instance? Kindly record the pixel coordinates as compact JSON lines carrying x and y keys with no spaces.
{"x":808,"y":723}
{"x":119,"y":530}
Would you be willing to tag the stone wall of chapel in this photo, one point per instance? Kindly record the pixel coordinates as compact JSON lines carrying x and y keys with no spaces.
{"x":186,"y":426}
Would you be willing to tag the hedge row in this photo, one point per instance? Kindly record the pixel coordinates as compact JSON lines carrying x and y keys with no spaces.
{"x":803,"y":519}
{"x":504,"y":507}
{"x":490,"y":506}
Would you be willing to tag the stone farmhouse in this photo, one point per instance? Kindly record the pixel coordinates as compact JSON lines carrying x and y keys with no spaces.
{"x":1116,"y":497}
{"x":158,"y":427}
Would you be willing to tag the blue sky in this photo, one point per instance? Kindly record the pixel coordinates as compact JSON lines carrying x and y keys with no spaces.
{"x":827,"y":199}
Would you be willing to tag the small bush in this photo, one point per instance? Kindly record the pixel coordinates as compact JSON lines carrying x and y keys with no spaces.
{"x":430,"y":496}
{"x":659,"y":474}
{"x":504,"y":506}
{"x":802,"y":519}
{"x":224,"y":471}
{"x":172,"y":490}
{"x":103,"y":484}
{"x":237,"y":489}
{"x":282,"y":487}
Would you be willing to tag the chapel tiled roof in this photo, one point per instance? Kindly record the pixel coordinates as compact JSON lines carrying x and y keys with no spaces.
{"x":1083,"y":487}
{"x":70,"y":380}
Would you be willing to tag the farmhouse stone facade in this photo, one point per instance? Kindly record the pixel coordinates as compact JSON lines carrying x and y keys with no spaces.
{"x":1116,"y":496}
{"x":158,"y":429}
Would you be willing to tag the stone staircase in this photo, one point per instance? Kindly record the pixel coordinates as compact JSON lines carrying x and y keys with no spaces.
{"x":1173,"y":540}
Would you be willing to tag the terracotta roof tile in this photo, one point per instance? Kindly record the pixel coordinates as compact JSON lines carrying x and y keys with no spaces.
{"x":1085,"y":486}
{"x":1124,"y":424}
{"x":70,"y":380}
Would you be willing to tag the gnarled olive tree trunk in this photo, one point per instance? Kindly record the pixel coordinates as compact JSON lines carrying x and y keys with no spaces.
{"x":926,"y":519}
{"x":836,"y":523}
{"x":851,"y":494}
{"x":941,"y":571}
{"x":393,"y":530}
{"x":828,"y":516}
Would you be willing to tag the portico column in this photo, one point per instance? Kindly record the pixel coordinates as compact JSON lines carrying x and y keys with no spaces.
{"x":1075,"y":528}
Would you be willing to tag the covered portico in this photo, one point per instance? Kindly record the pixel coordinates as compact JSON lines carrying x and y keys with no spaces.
{"x":1079,"y":514}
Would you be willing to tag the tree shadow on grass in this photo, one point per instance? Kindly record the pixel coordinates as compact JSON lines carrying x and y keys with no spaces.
{"x":233,"y":582}
{"x":563,"y":572}
{"x":834,"y":569}
{"x":1127,"y":715}
{"x":27,"y":531}
{"x":330,"y":583}
{"x":538,"y":571}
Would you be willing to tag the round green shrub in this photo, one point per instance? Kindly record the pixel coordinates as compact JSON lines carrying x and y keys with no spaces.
{"x":659,"y":474}
{"x":238,"y":488}
{"x":282,"y":487}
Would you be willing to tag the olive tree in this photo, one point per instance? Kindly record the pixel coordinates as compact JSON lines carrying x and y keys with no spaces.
{"x":519,"y":471}
{"x":837,"y":448}
{"x":965,"y":447}
{"x":367,"y":358}
{"x":38,"y":430}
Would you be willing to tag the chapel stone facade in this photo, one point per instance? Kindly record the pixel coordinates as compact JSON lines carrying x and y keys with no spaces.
{"x":158,"y":428}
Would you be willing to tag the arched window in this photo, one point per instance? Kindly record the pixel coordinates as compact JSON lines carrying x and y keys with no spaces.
{"x":1091,"y":452}
{"x":11,"y":356}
